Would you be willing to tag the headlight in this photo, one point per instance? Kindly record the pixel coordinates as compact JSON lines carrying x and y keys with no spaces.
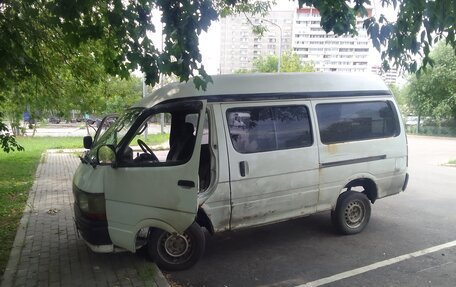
{"x":83,"y":201}
{"x":92,"y":205}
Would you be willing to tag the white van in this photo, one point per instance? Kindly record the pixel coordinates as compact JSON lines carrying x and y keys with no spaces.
{"x":250,"y":150}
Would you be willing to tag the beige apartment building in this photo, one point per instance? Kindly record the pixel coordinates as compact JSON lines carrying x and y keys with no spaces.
{"x":328,"y":52}
{"x":240,"y":46}
{"x":299,"y":31}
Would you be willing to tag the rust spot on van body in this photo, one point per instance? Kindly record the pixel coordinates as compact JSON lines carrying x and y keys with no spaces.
{"x":332,"y":148}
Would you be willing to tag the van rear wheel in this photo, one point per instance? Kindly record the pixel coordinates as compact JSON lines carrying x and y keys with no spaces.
{"x":177,"y":251}
{"x":352,"y":212}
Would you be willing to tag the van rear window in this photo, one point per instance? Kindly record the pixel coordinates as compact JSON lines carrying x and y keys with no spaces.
{"x":260,"y":129}
{"x":345,"y":122}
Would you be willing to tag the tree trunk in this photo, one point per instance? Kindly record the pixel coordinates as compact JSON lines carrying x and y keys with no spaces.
{"x":419,"y":123}
{"x":34,"y":130}
{"x":87,"y":128}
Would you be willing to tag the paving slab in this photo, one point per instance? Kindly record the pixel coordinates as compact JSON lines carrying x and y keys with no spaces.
{"x":47,"y":250}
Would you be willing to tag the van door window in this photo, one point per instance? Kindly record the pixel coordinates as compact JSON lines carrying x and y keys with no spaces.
{"x":152,"y":147}
{"x":344,"y":122}
{"x":116,"y":132}
{"x":260,"y":129}
{"x":105,"y":124}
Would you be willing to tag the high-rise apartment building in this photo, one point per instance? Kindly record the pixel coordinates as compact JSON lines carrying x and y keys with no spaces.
{"x":329,"y":52}
{"x":301,"y":33}
{"x":390,"y":77}
{"x":240,"y":46}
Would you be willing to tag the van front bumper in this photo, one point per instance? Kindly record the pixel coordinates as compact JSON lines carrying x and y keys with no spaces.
{"x":94,"y":232}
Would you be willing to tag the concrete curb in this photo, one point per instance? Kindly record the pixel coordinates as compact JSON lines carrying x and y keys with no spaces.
{"x":19,"y":240}
{"x":432,"y":137}
{"x":449,"y":164}
{"x":160,"y":279}
{"x":65,"y":150}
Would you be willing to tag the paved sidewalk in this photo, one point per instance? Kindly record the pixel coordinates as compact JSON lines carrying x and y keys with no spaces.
{"x":47,"y":250}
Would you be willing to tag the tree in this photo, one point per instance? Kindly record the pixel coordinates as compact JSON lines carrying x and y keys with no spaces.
{"x":418,"y":26}
{"x":266,"y":64}
{"x":32,"y":32}
{"x":289,"y":62}
{"x":401,"y":97}
{"x":433,"y":92}
{"x":37,"y":38}
{"x":121,"y":29}
{"x":7,"y":141}
{"x":106,"y":95}
{"x":118,"y":94}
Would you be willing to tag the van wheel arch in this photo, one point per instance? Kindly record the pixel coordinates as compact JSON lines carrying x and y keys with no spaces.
{"x":369,"y":188}
{"x":144,"y":229}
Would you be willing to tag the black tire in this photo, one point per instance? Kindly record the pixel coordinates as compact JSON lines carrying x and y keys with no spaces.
{"x":352,"y":212}
{"x":177,"y":252}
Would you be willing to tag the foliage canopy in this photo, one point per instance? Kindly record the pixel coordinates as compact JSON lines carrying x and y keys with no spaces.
{"x":433,"y":93}
{"x":51,"y":44}
{"x":289,"y":62}
{"x":34,"y":32}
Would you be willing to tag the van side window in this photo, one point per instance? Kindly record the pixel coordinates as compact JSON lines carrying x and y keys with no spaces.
{"x":344,"y":122}
{"x":260,"y":129}
{"x":147,"y":145}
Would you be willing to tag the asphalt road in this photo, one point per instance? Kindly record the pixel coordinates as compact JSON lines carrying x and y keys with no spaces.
{"x":305,"y":250}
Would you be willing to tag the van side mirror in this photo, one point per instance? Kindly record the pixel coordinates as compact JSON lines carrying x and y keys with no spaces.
{"x":87,"y":142}
{"x":106,"y":155}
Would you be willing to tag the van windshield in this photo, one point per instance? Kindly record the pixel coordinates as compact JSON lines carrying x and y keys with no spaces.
{"x":116,"y":132}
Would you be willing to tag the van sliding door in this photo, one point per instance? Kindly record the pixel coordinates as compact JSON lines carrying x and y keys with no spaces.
{"x":273,"y":161}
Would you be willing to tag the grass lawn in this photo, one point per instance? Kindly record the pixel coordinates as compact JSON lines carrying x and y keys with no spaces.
{"x":452,"y":161}
{"x":152,"y":139}
{"x":17,"y":173}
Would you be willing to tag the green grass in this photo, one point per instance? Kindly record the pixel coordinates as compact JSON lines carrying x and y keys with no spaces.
{"x":17,"y":173}
{"x":153,"y":139}
{"x":453,"y":161}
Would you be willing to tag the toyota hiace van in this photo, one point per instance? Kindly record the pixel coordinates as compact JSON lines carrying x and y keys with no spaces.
{"x":252,"y":149}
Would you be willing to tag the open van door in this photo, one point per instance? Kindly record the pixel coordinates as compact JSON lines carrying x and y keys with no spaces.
{"x":146,"y":191}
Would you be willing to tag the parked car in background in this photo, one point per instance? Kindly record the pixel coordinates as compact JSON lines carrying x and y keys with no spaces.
{"x":54,"y":120}
{"x":411,"y":121}
{"x":93,"y":121}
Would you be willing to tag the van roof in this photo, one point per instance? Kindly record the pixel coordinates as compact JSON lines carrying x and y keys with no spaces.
{"x":272,"y":86}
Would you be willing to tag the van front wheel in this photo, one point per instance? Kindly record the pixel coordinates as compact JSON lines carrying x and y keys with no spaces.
{"x":352,"y":212}
{"x":177,"y":251}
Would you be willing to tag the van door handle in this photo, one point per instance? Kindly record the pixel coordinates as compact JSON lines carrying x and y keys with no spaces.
{"x":186,"y":183}
{"x":243,"y":168}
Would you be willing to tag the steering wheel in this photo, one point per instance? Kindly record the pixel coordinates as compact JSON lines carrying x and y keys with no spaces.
{"x":146,"y":149}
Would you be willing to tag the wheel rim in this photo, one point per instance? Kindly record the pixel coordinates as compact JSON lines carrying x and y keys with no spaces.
{"x":354,"y":213}
{"x":175,"y":248}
